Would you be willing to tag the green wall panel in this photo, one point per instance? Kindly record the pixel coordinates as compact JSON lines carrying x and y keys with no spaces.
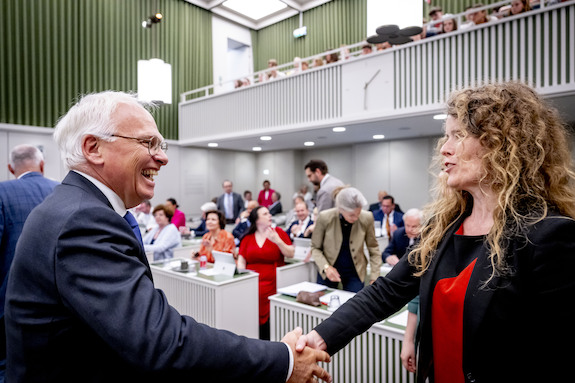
{"x":55,"y":50}
{"x":328,"y":26}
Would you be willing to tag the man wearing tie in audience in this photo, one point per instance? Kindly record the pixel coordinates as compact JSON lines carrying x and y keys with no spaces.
{"x":299,"y":227}
{"x":230,"y":203}
{"x":389,"y":218}
{"x":81,"y":303}
{"x":403,"y":237}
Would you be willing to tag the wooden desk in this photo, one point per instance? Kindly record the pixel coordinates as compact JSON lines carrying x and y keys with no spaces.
{"x":228,"y":303}
{"x":371,"y":357}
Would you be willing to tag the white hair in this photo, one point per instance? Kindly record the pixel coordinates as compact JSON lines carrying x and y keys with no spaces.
{"x":208,"y":206}
{"x":349,"y":199}
{"x":25,"y":155}
{"x":90,"y":115}
{"x":416,"y":213}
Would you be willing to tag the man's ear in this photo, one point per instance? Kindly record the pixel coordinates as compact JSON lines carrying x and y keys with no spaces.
{"x":92,"y":150}
{"x":11,"y":169}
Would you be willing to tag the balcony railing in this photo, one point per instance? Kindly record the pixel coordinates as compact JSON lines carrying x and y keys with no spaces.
{"x":537,"y":47}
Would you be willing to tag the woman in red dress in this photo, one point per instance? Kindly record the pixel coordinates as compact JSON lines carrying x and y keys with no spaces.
{"x":262,"y":249}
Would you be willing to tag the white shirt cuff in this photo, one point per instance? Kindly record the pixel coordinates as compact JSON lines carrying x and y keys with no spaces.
{"x":290,"y":369}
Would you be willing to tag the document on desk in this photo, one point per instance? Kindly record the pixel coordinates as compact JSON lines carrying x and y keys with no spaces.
{"x":344,"y":296}
{"x":293,"y":290}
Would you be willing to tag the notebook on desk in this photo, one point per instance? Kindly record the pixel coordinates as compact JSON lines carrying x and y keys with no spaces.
{"x":302,"y":247}
{"x":224,"y":264}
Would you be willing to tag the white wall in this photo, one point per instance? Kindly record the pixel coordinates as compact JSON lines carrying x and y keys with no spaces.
{"x":222,"y":30}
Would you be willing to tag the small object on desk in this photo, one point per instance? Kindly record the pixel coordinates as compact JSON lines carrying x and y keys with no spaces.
{"x":308,"y":298}
{"x":343,"y":297}
{"x":334,"y":303}
{"x":184,"y":265}
{"x":203,"y":262}
{"x":293,"y":290}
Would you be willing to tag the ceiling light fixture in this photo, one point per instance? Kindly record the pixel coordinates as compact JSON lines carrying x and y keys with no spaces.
{"x":339,"y":129}
{"x":440,"y":117}
{"x":378,"y":136}
{"x":213,"y":144}
{"x":265,"y":138}
{"x":309,"y":143}
{"x":257,"y":148}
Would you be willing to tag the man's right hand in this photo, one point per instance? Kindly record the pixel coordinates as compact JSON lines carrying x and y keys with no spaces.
{"x":305,"y":367}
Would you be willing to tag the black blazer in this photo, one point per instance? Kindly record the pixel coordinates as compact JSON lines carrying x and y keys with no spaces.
{"x":515,"y":329}
{"x":82,"y":307}
{"x":237,"y":201}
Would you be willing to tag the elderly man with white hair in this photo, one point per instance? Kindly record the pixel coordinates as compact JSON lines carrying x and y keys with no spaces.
{"x":338,"y":240}
{"x":403,"y":237}
{"x":81,"y":303}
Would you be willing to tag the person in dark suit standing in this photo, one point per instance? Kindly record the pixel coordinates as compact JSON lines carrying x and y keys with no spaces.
{"x":230,"y":203}
{"x":496,"y":249}
{"x":276,"y":207}
{"x":403,"y":237}
{"x":81,"y":303}
{"x":17,"y":199}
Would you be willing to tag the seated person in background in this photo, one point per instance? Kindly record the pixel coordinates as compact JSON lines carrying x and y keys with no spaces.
{"x":388,"y":216}
{"x":163,"y":238}
{"x":247,"y":198}
{"x":262,"y":250}
{"x":276,"y":207}
{"x":265,"y":195}
{"x":449,"y":25}
{"x":331,"y":58}
{"x":307,"y":196}
{"x":145,"y":217}
{"x":273,"y":73}
{"x":435,"y":13}
{"x":178,"y":218}
{"x":481,"y":17}
{"x":377,"y":205}
{"x":366,"y":49}
{"x":242,"y":227}
{"x":200,"y":230}
{"x":403,"y":237}
{"x":338,"y":240}
{"x":290,"y":215}
{"x":216,"y":238}
{"x":299,"y":227}
{"x":519,"y":6}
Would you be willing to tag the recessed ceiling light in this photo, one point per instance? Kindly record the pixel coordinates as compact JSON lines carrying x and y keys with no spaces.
{"x":440,"y":117}
{"x":266,"y":172}
{"x":213,"y":144}
{"x":339,"y":129}
{"x":309,"y":143}
{"x":257,"y":148}
{"x":265,"y":138}
{"x":378,"y":136}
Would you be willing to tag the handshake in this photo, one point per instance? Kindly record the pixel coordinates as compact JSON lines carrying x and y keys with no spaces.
{"x":307,"y":351}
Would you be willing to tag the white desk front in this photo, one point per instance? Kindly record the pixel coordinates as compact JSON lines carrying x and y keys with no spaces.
{"x":373,"y":356}
{"x":228,"y":303}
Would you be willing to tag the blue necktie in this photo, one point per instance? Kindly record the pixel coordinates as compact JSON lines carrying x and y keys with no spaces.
{"x":134,"y":225}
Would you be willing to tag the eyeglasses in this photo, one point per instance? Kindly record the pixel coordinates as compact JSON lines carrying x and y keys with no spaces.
{"x":154,"y":144}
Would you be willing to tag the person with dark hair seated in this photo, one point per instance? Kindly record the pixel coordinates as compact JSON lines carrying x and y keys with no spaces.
{"x":163,"y":238}
{"x":216,"y":238}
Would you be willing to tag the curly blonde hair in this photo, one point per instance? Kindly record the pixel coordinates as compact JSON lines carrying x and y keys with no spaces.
{"x":527,"y":164}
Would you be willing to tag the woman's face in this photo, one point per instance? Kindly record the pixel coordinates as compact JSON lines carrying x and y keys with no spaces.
{"x":448,"y":26}
{"x":212,"y":222}
{"x":264,"y":218}
{"x":461,"y":157}
{"x":517,"y":7}
{"x":161,"y":218}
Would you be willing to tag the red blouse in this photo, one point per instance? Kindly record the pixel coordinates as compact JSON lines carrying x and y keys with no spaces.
{"x":447,"y":318}
{"x":264,"y":260}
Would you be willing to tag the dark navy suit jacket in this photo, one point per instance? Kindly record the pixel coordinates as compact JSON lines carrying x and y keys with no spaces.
{"x":397,"y":217}
{"x":82,"y":307}
{"x":17,"y":199}
{"x":398,"y":244}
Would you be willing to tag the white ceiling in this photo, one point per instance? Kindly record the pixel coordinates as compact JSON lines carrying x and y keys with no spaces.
{"x":293,"y":7}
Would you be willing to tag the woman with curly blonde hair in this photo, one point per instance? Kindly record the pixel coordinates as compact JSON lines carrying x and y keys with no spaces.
{"x":497,"y":250}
